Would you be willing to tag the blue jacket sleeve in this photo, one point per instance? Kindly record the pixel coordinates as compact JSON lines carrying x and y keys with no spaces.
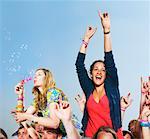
{"x":112,"y":90}
{"x":111,"y":70}
{"x":85,"y":82}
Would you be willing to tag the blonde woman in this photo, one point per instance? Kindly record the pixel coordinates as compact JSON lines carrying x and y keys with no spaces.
{"x":46,"y":99}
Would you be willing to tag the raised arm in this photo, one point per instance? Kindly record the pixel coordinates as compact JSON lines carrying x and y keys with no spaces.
{"x":85,"y":81}
{"x":111,"y":69}
{"x":105,"y":21}
{"x":81,"y":101}
{"x":64,"y":113}
{"x":125,"y":102}
{"x":144,"y":92}
{"x":90,"y":31}
{"x":145,"y":122}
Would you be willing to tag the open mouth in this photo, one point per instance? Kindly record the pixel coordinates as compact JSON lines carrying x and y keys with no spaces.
{"x":98,"y":77}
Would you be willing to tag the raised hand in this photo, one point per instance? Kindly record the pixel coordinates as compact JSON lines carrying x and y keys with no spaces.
{"x":145,"y":93}
{"x":81,"y":101}
{"x":147,"y":99}
{"x":145,"y":114}
{"x":145,"y":86}
{"x":90,"y":31}
{"x":19,"y":88}
{"x":105,"y":20}
{"x":125,"y":101}
{"x":63,"y":112}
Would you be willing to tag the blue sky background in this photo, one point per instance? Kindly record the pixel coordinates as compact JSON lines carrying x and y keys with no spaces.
{"x":48,"y":34}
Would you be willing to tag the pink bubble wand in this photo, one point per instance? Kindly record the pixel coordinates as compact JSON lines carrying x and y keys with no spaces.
{"x":26,"y":80}
{"x":20,"y":99}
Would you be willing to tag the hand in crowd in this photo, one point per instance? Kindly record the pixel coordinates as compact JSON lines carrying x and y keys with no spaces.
{"x":90,"y":31}
{"x":63,"y":111}
{"x":147,"y":100}
{"x":81,"y":101}
{"x":19,"y":88}
{"x":145,"y":93}
{"x":145,"y":86}
{"x":145,"y":114}
{"x":105,"y":20}
{"x":126,"y":101}
{"x":19,"y":117}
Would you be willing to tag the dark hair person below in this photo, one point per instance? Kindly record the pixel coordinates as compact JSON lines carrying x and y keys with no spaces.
{"x":127,"y":135}
{"x":46,"y":98}
{"x":105,"y":133}
{"x":21,"y":133}
{"x":102,"y":107}
{"x":135,"y":128}
{"x":3,"y":134}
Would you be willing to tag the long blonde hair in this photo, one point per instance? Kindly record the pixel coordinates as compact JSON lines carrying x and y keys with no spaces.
{"x":40,"y":97}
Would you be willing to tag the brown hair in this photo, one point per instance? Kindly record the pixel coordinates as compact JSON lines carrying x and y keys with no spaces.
{"x":105,"y":129}
{"x":92,"y":65}
{"x":135,"y":128}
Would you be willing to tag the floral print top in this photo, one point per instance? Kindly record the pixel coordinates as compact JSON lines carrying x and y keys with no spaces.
{"x":53,"y":95}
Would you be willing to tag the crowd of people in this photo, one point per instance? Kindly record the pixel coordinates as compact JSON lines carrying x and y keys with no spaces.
{"x":50,"y":114}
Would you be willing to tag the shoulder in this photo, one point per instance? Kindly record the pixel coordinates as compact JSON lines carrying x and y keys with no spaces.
{"x":55,"y":93}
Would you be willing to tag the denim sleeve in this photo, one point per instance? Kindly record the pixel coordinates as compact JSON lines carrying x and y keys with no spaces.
{"x":111,"y":70}
{"x":85,"y":81}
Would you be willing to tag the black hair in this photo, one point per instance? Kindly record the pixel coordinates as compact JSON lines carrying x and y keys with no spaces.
{"x":16,"y":132}
{"x":3,"y":133}
{"x":127,"y":132}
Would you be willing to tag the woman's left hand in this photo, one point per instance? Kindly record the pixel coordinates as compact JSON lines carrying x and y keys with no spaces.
{"x":19,"y":117}
{"x":105,"y":20}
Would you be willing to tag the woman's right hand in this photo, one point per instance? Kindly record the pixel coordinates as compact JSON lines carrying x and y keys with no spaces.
{"x":90,"y":31}
{"x":19,"y":88}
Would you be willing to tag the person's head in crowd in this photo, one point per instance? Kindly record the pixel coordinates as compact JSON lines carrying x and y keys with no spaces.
{"x":98,"y":66}
{"x":43,"y":80}
{"x":52,"y":134}
{"x":134,"y":127}
{"x":127,"y":135}
{"x":49,"y":135}
{"x":3,"y":134}
{"x":105,"y":133}
{"x":21,"y":133}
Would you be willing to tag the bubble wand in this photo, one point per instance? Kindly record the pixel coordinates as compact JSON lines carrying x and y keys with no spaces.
{"x":20,"y":99}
